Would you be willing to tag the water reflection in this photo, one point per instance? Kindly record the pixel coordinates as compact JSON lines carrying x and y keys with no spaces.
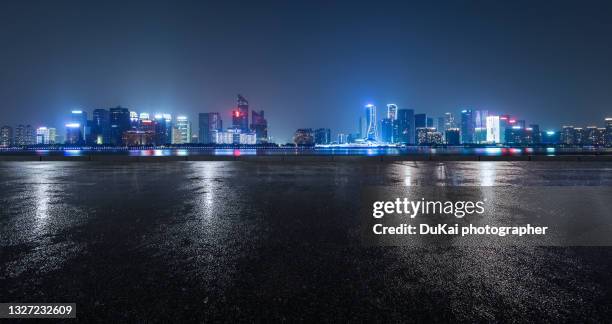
{"x":366,"y":151}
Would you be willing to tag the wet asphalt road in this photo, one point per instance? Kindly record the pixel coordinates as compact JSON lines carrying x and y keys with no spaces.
{"x":226,"y":241}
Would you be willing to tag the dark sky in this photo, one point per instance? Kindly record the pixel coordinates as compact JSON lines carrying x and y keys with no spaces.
{"x":307,"y":63}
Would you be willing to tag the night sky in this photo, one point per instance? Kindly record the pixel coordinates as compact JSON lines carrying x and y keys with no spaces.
{"x":306,"y":63}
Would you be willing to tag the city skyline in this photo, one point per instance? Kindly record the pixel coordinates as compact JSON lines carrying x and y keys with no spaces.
{"x":546,"y":63}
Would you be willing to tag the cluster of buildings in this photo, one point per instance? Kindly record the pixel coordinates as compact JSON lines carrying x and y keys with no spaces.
{"x":120,"y":126}
{"x":405,"y":127}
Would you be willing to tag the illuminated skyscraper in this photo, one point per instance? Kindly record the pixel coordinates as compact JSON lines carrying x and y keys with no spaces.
{"x":181,"y":131}
{"x":608,"y":134}
{"x":405,"y":125}
{"x":240,"y":115}
{"x":259,"y":125}
{"x":42,"y":135}
{"x":304,"y":137}
{"x":6,"y":136}
{"x":74,"y":134}
{"x":372,"y":130}
{"x":24,"y":135}
{"x":322,"y":136}
{"x":493,"y":129}
{"x":80,"y":117}
{"x":386,"y":130}
{"x":568,"y":135}
{"x":392,"y":111}
{"x":100,"y":127}
{"x":467,"y":126}
{"x":209,"y":124}
{"x":119,"y":123}
{"x":453,"y":136}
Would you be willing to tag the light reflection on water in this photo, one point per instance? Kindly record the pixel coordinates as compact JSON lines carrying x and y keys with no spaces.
{"x":365,"y":151}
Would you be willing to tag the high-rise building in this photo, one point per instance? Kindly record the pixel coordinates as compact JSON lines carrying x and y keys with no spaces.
{"x":259,"y":125}
{"x":420,"y":121}
{"x":480,"y":118}
{"x":449,"y":121}
{"x":363,"y":128}
{"x":515,"y":135}
{"x":209,"y":124}
{"x":608,"y":135}
{"x":405,"y":125}
{"x":467,"y":126}
{"x":6,"y":136}
{"x":80,"y":117}
{"x":568,"y":135}
{"x":322,"y":136}
{"x":43,"y":136}
{"x":119,"y":123}
{"x":428,"y":136}
{"x":453,"y":136}
{"x":550,"y":137}
{"x":24,"y":135}
{"x":74,"y":134}
{"x":536,"y":135}
{"x":372,"y":130}
{"x":493,"y":129}
{"x":304,"y":137}
{"x":100,"y":127}
{"x":240,"y":115}
{"x":181,"y":131}
{"x":392,"y":111}
{"x":386,"y":130}
{"x":343,"y":138}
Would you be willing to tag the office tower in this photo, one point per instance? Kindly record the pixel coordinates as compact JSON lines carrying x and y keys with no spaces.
{"x":42,"y":135}
{"x":503,"y":125}
{"x":568,"y":135}
{"x":578,"y":136}
{"x":430,"y":122}
{"x":119,"y":123}
{"x":160,"y":130}
{"x":590,"y":135}
{"x":493,"y":129}
{"x":24,"y":135}
{"x":405,"y":125}
{"x":74,"y":134}
{"x":480,"y":135}
{"x":209,"y":124}
{"x":515,"y":135}
{"x":372,"y":130}
{"x":240,"y":115}
{"x":52,"y":135}
{"x":344,"y":138}
{"x":392,"y":115}
{"x":467,"y":126}
{"x":420,"y":120}
{"x":134,"y":120}
{"x":135,"y":137}
{"x":100,"y":127}
{"x":303,"y":137}
{"x":386,"y":130}
{"x":259,"y":125}
{"x":536,"y":135}
{"x":428,"y":136}
{"x":80,"y":117}
{"x":322,"y":136}
{"x":6,"y":136}
{"x":453,"y":136}
{"x":480,"y":118}
{"x":608,"y":135}
{"x":181,"y":133}
{"x":449,"y":121}
{"x":550,"y":137}
{"x":392,"y":111}
{"x":363,"y":128}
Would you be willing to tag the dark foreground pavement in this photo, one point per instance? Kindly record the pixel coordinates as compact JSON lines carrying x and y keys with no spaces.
{"x":183,"y":241}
